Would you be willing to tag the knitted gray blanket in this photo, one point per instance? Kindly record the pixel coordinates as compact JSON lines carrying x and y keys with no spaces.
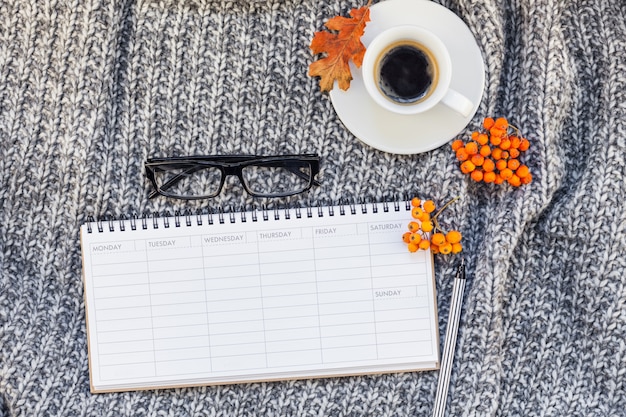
{"x":90,"y":89}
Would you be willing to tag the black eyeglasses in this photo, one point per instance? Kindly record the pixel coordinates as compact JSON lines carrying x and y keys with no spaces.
{"x":197,"y":177}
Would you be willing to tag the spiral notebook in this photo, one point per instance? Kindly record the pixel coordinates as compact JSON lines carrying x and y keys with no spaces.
{"x":257,"y":295}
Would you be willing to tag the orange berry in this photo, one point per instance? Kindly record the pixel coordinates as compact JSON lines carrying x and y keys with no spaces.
{"x":485,"y":150}
{"x":413,"y":247}
{"x":522,"y":171}
{"x":482,"y":139}
{"x":477,"y":159}
{"x":427,"y":226}
{"x":524,"y":145}
{"x":417,"y":212}
{"x":505,"y":144}
{"x":515,"y":142}
{"x":499,"y":179}
{"x":515,"y":181}
{"x":527,"y":179}
{"x":415,"y":238}
{"x":500,"y":164}
{"x":471,"y":148}
{"x":457,"y":247}
{"x":434,"y":248}
{"x":446,"y":248}
{"x":416,"y":202}
{"x":488,"y":123}
{"x":506,"y":174}
{"x":495,"y":140}
{"x":438,"y":239}
{"x":514,"y":153}
{"x":424,"y":217}
{"x":477,"y":175}
{"x":501,"y":123}
{"x":406,"y":237}
{"x":424,"y":244}
{"x":497,"y":132}
{"x":475,"y":134}
{"x":505,"y":155}
{"x":429,"y":206}
{"x":489,"y":165}
{"x":461,"y":154}
{"x":513,"y":164}
{"x":467,"y":167}
{"x":457,"y":144}
{"x":489,"y":176}
{"x":453,"y":236}
{"x":414,"y":227}
{"x":496,"y":153}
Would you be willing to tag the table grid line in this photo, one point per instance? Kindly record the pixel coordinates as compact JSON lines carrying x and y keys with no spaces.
{"x":151,"y":310}
{"x":369,"y":250}
{"x":206,"y":316}
{"x":262,"y":305}
{"x":243,"y":321}
{"x":141,"y":272}
{"x":245,"y":287}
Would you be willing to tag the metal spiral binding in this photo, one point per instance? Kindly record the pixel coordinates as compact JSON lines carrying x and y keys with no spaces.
{"x":243,"y":214}
{"x":121,"y":222}
{"x":363,"y":207}
{"x":90,"y":220}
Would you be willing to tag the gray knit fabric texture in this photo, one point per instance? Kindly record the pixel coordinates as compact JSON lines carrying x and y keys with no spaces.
{"x":89,"y":89}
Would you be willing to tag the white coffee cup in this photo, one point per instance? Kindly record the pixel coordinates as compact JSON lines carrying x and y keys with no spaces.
{"x":416,"y":72}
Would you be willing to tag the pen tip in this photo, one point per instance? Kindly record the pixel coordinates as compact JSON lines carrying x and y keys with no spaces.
{"x":461,"y":269}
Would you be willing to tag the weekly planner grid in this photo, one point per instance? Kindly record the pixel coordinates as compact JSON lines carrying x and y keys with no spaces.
{"x":256,"y":296}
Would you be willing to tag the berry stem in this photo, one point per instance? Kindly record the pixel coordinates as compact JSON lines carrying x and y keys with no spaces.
{"x":518,"y":132}
{"x":434,"y":217}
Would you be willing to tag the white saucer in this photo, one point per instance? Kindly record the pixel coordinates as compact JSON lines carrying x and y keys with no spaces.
{"x":409,"y":134}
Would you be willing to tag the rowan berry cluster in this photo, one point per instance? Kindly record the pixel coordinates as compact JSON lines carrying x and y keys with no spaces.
{"x":425,"y":233}
{"x":493,"y":154}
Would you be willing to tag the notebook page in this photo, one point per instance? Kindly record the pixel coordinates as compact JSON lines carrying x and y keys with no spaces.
{"x":256,"y":300}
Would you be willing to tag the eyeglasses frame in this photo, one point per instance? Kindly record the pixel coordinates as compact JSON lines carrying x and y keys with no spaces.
{"x":228,"y":165}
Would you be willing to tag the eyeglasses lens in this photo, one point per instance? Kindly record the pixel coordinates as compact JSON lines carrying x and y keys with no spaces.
{"x":276,"y":178}
{"x":189,"y":180}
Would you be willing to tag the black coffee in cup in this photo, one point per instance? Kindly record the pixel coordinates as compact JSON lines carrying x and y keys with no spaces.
{"x":406,"y":72}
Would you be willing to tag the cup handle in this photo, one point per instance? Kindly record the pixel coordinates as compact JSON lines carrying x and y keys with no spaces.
{"x":458,"y":102}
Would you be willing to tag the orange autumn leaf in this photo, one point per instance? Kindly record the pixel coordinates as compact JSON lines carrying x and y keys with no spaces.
{"x":339,"y":48}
